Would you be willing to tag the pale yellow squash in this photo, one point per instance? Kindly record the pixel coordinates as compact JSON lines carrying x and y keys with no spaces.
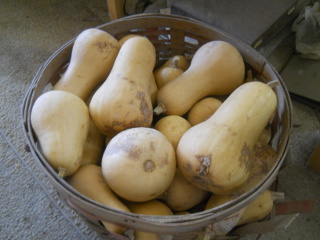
{"x":93,"y":54}
{"x":139,"y":164}
{"x":173,"y":127}
{"x":258,"y":209}
{"x":202,"y":110}
{"x":182,"y":62}
{"x":152,"y":207}
{"x":125,"y":38}
{"x":182,"y":195}
{"x":167,"y":74}
{"x":88,"y":180}
{"x":217,"y":68}
{"x":94,"y":146}
{"x":123,"y":100}
{"x":216,"y":155}
{"x":60,"y":121}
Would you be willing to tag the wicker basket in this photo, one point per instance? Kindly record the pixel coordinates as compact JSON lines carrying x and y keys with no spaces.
{"x":171,"y":35}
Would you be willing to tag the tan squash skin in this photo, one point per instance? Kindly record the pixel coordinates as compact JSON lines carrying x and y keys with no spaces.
{"x":123,"y":100}
{"x":202,"y":110}
{"x":94,"y":146}
{"x":153,"y":88}
{"x":152,"y":207}
{"x":173,"y":127}
{"x":166,"y":75}
{"x":61,"y":121}
{"x":125,"y":38}
{"x":182,"y":63}
{"x":216,"y":155}
{"x":258,"y":209}
{"x":93,"y":54}
{"x":139,"y":164}
{"x":181,"y":195}
{"x":217,"y":68}
{"x":88,"y":180}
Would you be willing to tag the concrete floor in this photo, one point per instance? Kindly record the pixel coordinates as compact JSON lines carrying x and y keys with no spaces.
{"x":30,"y":208}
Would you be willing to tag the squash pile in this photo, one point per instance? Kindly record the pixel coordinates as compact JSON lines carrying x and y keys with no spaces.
{"x":155,"y":141}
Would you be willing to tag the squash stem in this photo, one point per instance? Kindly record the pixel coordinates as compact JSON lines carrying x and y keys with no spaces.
{"x":273,"y":83}
{"x":62,"y":172}
{"x":159,"y":109}
{"x":175,"y":63}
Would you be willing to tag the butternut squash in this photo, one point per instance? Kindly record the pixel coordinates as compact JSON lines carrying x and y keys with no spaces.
{"x":173,"y":127}
{"x":182,"y":195}
{"x":217,"y":68}
{"x":202,"y":110}
{"x":167,"y":74}
{"x":258,"y":209}
{"x":182,"y":63}
{"x":123,"y":100}
{"x":93,"y":54}
{"x":125,"y":38}
{"x":139,"y":164}
{"x":216,"y":155}
{"x":152,"y":207}
{"x":60,"y":121}
{"x":88,"y":180}
{"x":94,"y":146}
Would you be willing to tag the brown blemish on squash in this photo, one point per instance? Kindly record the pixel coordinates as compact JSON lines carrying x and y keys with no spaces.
{"x":145,"y":108}
{"x":152,"y":147}
{"x":123,"y":143}
{"x":204,"y":182}
{"x":143,"y":121}
{"x":149,"y":166}
{"x":165,"y":161}
{"x":132,"y":151}
{"x":105,"y":46}
{"x":188,"y":167}
{"x":245,"y":159}
{"x":205,"y":163}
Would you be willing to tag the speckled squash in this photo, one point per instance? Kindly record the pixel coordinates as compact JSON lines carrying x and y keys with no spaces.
{"x":139,"y":164}
{"x":93,"y":54}
{"x":216,"y":155}
{"x":123,"y":100}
